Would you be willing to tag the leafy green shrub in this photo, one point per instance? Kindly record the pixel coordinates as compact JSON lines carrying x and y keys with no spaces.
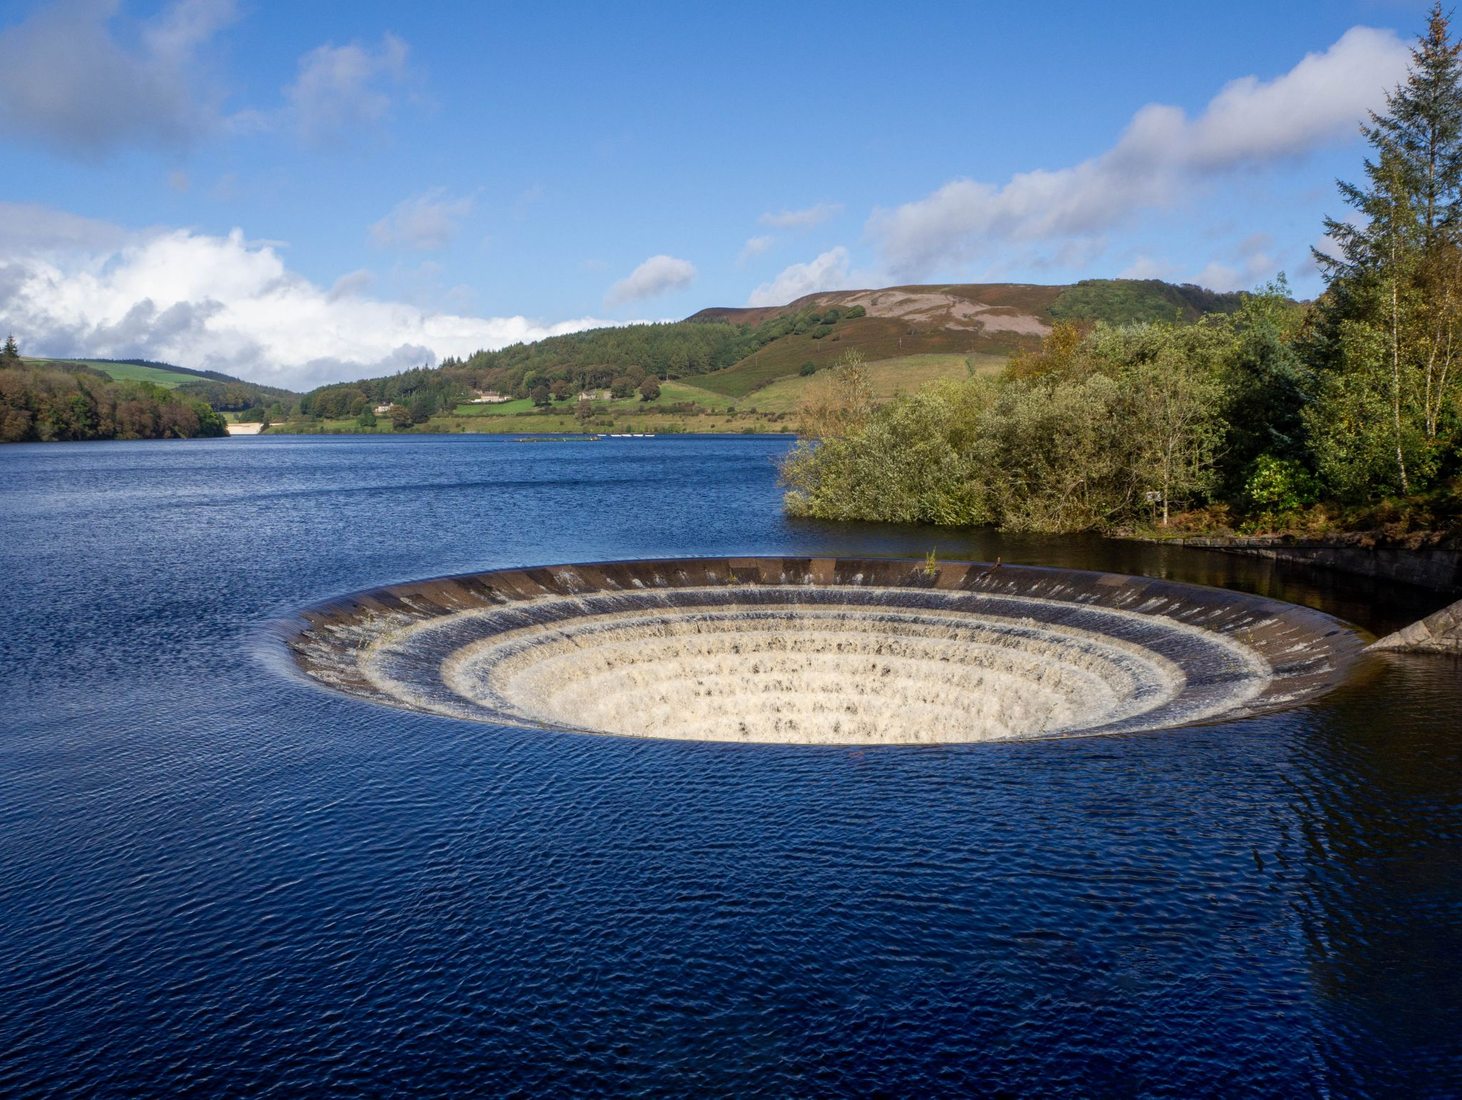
{"x":1279,"y":485}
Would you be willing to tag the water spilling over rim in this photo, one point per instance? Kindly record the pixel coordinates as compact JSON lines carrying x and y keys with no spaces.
{"x":822,"y":650}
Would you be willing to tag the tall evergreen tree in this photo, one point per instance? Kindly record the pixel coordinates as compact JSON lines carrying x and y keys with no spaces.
{"x":1390,"y":331}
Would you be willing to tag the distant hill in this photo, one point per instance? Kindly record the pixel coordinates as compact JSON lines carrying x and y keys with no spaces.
{"x":223,"y":392}
{"x":978,"y":319}
{"x":765,"y":356}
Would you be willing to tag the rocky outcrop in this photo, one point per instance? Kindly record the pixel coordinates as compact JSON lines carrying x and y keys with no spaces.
{"x":1437,"y":633}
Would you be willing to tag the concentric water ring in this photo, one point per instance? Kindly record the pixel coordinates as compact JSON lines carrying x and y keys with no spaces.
{"x":822,"y":650}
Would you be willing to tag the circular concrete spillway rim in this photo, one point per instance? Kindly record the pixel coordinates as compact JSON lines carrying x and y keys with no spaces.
{"x":821,"y":650}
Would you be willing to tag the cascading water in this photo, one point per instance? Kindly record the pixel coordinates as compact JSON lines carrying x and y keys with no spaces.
{"x":822,"y":650}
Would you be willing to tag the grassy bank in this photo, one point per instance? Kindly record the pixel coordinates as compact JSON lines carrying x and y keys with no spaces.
{"x":536,"y":423}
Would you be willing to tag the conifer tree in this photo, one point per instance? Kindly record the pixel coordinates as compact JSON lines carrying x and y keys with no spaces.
{"x":1390,"y":332}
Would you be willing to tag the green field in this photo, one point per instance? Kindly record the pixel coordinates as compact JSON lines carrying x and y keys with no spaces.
{"x":671,"y":393}
{"x":889,"y":378}
{"x":654,"y":423}
{"x":127,"y":372}
{"x":879,"y":339}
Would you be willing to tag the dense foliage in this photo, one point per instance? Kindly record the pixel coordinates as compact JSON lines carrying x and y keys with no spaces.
{"x":236,"y":395}
{"x":1091,"y":432}
{"x":69,"y":402}
{"x":1133,"y":301}
{"x":223,"y":392}
{"x":1260,"y":411}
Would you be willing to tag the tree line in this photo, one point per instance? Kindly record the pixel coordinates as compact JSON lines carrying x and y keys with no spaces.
{"x":73,"y":402}
{"x":1277,"y":414}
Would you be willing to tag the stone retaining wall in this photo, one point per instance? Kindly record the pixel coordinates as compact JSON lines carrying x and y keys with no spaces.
{"x":1437,"y":568}
{"x":1429,"y":567}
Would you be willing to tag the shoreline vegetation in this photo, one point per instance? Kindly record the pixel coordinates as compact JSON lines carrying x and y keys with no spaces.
{"x":1128,"y":407}
{"x":1340,"y":415}
{"x":72,"y":401}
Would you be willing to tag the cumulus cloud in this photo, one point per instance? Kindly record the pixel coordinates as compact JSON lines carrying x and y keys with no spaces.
{"x":829,"y":271}
{"x":72,"y":85}
{"x":219,"y":303}
{"x":343,"y":88}
{"x":657,"y":275}
{"x":1159,"y":159}
{"x":423,"y":223}
{"x":801,"y":219}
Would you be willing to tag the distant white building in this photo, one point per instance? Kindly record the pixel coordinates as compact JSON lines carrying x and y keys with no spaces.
{"x":489,"y":398}
{"x":382,"y":410}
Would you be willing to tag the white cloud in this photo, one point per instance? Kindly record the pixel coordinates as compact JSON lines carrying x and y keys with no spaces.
{"x":1250,"y":263}
{"x":186,"y":25}
{"x":755,"y":246}
{"x":74,"y":287}
{"x":1159,"y":159}
{"x":422,"y":223}
{"x":1217,"y":275}
{"x":342,"y":88}
{"x":1146,"y":267}
{"x":70,"y":84}
{"x":657,"y":275}
{"x":801,"y":219}
{"x":828,"y":271}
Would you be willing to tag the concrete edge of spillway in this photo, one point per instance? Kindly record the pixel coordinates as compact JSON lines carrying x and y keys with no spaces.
{"x":1299,"y":652}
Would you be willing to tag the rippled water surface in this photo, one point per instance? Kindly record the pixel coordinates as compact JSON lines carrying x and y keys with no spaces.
{"x":216,"y":877}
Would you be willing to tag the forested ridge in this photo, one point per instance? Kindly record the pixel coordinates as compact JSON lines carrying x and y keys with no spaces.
{"x":1279,"y":416}
{"x":75,"y":402}
{"x":616,"y":360}
{"x":762,"y":345}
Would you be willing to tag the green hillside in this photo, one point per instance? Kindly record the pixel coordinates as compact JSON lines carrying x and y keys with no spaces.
{"x":223,"y":392}
{"x":876,"y":338}
{"x":158,"y":374}
{"x":728,"y":361}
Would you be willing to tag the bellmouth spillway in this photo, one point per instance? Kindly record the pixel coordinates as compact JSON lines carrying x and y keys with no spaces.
{"x":822,"y":650}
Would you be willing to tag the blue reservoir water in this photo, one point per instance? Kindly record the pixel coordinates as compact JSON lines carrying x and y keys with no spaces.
{"x":216,"y":878}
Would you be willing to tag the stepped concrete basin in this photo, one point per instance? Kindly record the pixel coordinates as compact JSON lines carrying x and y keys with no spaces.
{"x":822,"y":650}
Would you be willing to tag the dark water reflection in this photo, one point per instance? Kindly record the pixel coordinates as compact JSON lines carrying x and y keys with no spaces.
{"x":215,"y":878}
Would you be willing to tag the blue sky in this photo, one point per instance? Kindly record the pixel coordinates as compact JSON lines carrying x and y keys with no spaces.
{"x":304,"y":192}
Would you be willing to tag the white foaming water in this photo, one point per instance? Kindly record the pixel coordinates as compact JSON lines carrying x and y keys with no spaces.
{"x":705,"y":666}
